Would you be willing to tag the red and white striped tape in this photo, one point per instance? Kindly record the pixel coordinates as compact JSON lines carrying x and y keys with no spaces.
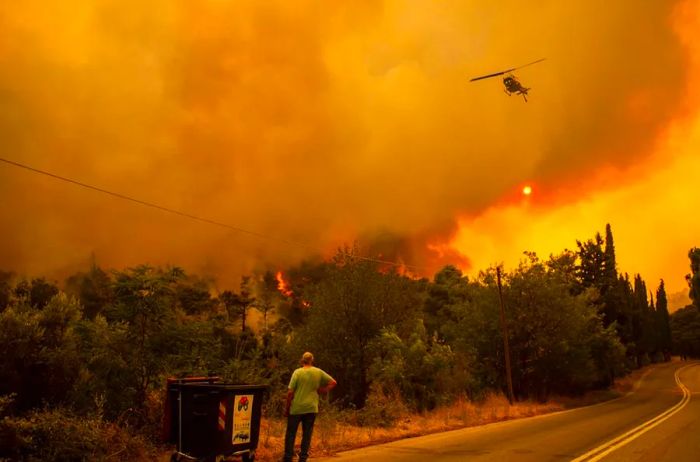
{"x":222,"y":415}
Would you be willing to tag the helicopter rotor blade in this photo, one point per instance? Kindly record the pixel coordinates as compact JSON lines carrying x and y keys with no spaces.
{"x":529,"y":64}
{"x":496,"y":74}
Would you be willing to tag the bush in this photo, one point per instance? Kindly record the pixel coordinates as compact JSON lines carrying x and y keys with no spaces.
{"x":382,"y":409}
{"x":40,"y":361}
{"x":59,"y":435}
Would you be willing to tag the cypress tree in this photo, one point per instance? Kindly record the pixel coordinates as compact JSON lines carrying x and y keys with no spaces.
{"x":664,"y":320}
{"x":612,"y":288}
{"x":694,"y":277}
{"x":626,"y":315}
{"x":609,"y":262}
{"x":641,"y":320}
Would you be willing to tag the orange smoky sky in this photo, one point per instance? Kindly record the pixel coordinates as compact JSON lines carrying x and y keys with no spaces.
{"x":325,"y":122}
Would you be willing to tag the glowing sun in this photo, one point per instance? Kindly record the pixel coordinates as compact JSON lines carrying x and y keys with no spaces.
{"x":527,"y":190}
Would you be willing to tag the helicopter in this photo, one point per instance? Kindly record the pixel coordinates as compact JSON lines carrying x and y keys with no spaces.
{"x":511,"y":83}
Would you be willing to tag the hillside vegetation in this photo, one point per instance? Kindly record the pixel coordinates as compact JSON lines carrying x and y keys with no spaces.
{"x":83,"y":369}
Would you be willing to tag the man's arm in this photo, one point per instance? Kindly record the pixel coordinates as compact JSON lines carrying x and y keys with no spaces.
{"x":290,"y":392}
{"x":328,"y":387}
{"x":288,"y":405}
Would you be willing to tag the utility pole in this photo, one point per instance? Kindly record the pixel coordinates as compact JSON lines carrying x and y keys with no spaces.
{"x":504,"y":328}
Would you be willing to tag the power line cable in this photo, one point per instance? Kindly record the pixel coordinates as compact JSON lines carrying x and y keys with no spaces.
{"x":195,"y":217}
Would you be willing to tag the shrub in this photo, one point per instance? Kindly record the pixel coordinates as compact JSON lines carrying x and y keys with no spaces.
{"x":382,"y":409}
{"x":58,"y":435}
{"x":40,"y":361}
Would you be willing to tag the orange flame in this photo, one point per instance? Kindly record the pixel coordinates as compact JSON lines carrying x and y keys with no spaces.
{"x":282,"y":285}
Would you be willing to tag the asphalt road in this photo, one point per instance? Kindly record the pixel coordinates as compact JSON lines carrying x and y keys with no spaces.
{"x":660,"y":421}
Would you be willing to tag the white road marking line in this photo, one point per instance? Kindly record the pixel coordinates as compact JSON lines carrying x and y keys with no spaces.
{"x":606,"y":448}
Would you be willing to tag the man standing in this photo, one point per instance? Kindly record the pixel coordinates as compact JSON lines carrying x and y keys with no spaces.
{"x":302,"y":404}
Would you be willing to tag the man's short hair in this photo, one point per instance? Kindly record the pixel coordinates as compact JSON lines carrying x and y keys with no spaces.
{"x":307,"y":358}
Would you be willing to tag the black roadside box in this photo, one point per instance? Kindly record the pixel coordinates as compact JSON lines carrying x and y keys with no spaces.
{"x":207,"y":419}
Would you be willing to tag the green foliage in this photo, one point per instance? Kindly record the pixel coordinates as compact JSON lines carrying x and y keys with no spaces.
{"x":93,"y":289}
{"x":418,"y":371}
{"x":98,"y":360}
{"x":193,"y":296}
{"x":591,"y":269}
{"x":349,"y":308}
{"x":555,"y":334}
{"x":294,"y":307}
{"x":107,"y":374}
{"x":144,"y":297}
{"x":5,"y":289}
{"x":694,"y":277}
{"x":41,"y":292}
{"x":471,"y":326}
{"x":622,"y":303}
{"x":252,"y":367}
{"x":58,"y":435}
{"x":551,"y":331}
{"x":609,"y":259}
{"x":36,"y":293}
{"x":238,"y":304}
{"x":663,"y":321}
{"x":40,"y":360}
{"x":189,"y":347}
{"x":685,"y":330}
{"x":557,"y":340}
{"x":268,"y":296}
{"x":448,"y":289}
{"x":127,"y":352}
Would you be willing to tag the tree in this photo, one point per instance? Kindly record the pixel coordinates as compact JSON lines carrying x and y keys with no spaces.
{"x":621,"y":303}
{"x":591,"y":269}
{"x":416,"y":370}
{"x":349,"y":308}
{"x":471,"y":326}
{"x":685,"y":331}
{"x":598,"y":269}
{"x":194,"y":297}
{"x":40,"y":361}
{"x":555,"y":334}
{"x":5,"y":289}
{"x":238,"y":304}
{"x":144,"y":301}
{"x":663,"y":321}
{"x":449,"y":288}
{"x":41,"y":292}
{"x":642,"y":322}
{"x":694,"y":277}
{"x":609,"y":260}
{"x":106,"y":350}
{"x":142,"y":336}
{"x":268,"y":295}
{"x":37,"y":293}
{"x":558,"y":343}
{"x":612,"y":289}
{"x":93,"y":289}
{"x":294,"y":308}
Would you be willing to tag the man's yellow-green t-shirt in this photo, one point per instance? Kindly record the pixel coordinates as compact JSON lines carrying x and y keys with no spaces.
{"x":304,"y":383}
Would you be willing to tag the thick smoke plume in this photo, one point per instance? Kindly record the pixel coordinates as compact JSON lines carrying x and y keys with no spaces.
{"x":315,"y":122}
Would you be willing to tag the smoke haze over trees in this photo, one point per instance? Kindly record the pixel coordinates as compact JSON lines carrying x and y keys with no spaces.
{"x":246,"y":113}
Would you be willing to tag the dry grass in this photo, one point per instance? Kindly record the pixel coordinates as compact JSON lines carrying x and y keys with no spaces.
{"x":333,"y":434}
{"x":632,"y":380}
